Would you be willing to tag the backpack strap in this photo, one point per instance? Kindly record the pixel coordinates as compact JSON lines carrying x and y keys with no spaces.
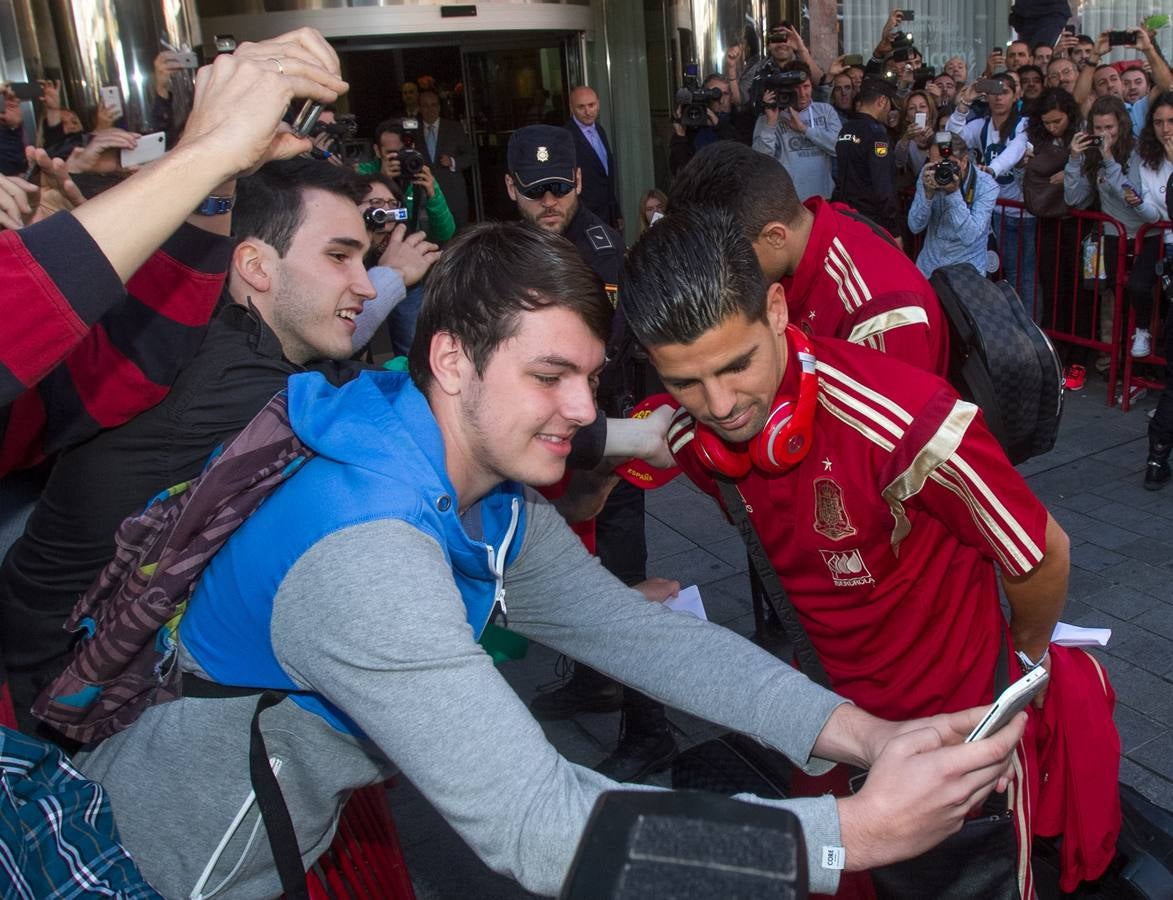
{"x":270,"y":801}
{"x":804,"y":650}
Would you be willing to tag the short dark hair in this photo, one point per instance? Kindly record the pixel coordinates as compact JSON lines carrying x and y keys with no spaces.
{"x":373,"y":178}
{"x":797,"y":65}
{"x":270,"y":204}
{"x":872,"y":89}
{"x":1034,"y":48}
{"x":1020,"y":41}
{"x":1084,"y":39}
{"x":693,"y":271}
{"x":389,"y":126}
{"x":755,"y":187}
{"x":1030,"y":67}
{"x":488,"y":276}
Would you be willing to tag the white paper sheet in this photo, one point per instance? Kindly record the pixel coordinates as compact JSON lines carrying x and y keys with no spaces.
{"x":1074,"y":636}
{"x":688,"y":601}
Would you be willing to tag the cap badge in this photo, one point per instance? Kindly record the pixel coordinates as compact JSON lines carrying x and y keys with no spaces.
{"x":543,"y":154}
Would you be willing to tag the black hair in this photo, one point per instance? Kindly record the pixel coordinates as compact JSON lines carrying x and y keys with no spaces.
{"x":1052,"y":99}
{"x":388,"y":126}
{"x":396,"y":189}
{"x":270,"y":204}
{"x":871,"y":89}
{"x":1030,"y":67}
{"x":732,"y":176}
{"x":1093,"y":157}
{"x":1150,"y":150}
{"x":693,"y":271}
{"x":1035,"y":46}
{"x":491,"y":274}
{"x":797,"y":65}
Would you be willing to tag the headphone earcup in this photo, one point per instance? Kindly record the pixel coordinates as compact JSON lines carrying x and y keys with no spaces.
{"x":767,"y":448}
{"x":719,"y":456}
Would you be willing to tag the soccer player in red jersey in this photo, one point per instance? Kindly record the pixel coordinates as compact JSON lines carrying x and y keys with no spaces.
{"x":887,"y":508}
{"x":843,"y":276}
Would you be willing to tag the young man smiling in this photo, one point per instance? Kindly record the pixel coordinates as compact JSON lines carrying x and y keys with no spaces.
{"x":882,"y":500}
{"x":364,"y":581}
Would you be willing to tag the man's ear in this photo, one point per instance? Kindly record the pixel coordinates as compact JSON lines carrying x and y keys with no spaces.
{"x":777,"y":312}
{"x":774,"y":236}
{"x":512,"y":191}
{"x":252,"y":263}
{"x":577,"y":180}
{"x":450,"y":365}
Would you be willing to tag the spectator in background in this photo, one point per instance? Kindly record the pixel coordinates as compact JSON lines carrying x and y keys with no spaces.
{"x":12,"y":161}
{"x":857,"y":74}
{"x":409,"y":96}
{"x":447,"y":151}
{"x":954,"y":212}
{"x":919,"y":128}
{"x":1101,"y":80}
{"x":1081,"y":53}
{"x":1108,"y":178}
{"x":1041,"y":53}
{"x":719,"y":126}
{"x":653,"y":201}
{"x":1062,"y":72}
{"x":1155,"y":148}
{"x":1136,"y":84}
{"x":1053,"y":124}
{"x":595,"y":157}
{"x":62,"y":131}
{"x":1030,"y":80}
{"x":172,"y":97}
{"x":1017,"y":55}
{"x":389,"y":143}
{"x":947,"y":88}
{"x":956,"y":69}
{"x":784,"y":45}
{"x":843,"y":95}
{"x":802,"y":137}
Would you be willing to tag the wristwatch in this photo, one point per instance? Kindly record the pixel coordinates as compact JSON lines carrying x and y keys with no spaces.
{"x":215,"y":206}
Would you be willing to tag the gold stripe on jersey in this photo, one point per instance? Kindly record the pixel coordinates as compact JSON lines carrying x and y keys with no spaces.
{"x":894,"y":318}
{"x":939,"y":449}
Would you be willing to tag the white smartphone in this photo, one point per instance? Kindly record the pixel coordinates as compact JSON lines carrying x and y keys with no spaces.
{"x":1013,"y":700}
{"x":112,"y":97}
{"x":921,"y":119}
{"x":149,"y":147}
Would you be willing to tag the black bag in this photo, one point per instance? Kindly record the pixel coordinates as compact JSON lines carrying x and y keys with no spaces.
{"x":1001,"y":360}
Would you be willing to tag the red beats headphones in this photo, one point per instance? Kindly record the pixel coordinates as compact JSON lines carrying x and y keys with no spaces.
{"x":786,"y":436}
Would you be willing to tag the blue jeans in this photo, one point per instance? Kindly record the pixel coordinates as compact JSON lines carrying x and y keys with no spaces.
{"x":401,"y":322}
{"x":1016,"y":247}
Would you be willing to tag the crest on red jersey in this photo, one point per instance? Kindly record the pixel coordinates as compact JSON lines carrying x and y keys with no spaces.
{"x":831,"y":519}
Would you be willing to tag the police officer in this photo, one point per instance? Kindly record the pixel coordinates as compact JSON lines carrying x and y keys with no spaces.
{"x":865,"y":174}
{"x":544,"y":180}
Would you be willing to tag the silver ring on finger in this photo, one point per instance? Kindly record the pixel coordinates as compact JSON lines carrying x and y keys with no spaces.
{"x":277,"y":63}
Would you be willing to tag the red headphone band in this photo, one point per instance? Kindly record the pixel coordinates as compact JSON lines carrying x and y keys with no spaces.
{"x":787,"y":434}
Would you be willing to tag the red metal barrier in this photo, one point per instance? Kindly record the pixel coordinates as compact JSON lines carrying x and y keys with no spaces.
{"x":1131,"y":377}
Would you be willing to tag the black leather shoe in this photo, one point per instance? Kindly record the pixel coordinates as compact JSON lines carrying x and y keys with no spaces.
{"x":578,"y":696}
{"x":1156,"y":470}
{"x":639,"y":755}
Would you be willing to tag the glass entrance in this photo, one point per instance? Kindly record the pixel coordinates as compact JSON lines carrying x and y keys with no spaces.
{"x":493,"y":86}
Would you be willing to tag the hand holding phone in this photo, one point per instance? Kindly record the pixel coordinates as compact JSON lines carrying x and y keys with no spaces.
{"x":1012,"y":701}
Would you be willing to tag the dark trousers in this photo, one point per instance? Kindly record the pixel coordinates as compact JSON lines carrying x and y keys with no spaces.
{"x":1161,"y":426}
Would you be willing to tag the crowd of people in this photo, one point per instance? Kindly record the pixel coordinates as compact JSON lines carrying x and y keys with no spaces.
{"x":472,"y":481}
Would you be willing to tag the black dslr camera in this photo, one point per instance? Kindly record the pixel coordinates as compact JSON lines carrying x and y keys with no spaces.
{"x":784,"y":85}
{"x":948,"y":169}
{"x":694,"y":100}
{"x":903,"y":48}
{"x":411,"y":161}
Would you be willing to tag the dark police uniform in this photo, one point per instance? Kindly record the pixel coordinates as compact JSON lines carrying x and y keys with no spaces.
{"x":865,"y":174}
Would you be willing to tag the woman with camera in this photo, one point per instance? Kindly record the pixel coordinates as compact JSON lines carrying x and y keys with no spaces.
{"x":953,"y":204}
{"x":912,"y":150}
{"x":1050,"y":132}
{"x":1104,"y":170}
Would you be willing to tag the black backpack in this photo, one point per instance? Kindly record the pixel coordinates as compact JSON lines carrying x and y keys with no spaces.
{"x":1001,"y":360}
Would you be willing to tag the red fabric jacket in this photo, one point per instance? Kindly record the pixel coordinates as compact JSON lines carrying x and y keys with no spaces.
{"x":80,"y":352}
{"x":854,"y":285}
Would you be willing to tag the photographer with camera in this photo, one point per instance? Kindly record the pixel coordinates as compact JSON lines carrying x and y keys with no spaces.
{"x":953,"y":203}
{"x":703,"y":116}
{"x":397,"y":260}
{"x":866,"y":175}
{"x":797,"y":132}
{"x":397,"y":158}
{"x":784,"y":45}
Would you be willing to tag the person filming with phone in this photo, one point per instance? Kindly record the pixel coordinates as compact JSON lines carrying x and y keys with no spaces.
{"x":953,"y":204}
{"x":1098,"y":79}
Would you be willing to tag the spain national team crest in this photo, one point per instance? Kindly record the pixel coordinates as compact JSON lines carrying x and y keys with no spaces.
{"x":831,"y":518}
{"x":881,"y":149}
{"x":847,"y":568}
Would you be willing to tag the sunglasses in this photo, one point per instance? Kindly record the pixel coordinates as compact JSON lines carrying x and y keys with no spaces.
{"x":537,"y":191}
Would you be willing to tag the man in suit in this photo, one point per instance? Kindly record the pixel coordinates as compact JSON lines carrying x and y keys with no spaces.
{"x":595,"y":158}
{"x":447,"y":151}
{"x":409,"y":94}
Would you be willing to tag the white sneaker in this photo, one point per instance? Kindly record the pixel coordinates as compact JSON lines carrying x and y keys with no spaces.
{"x":1142,"y":343}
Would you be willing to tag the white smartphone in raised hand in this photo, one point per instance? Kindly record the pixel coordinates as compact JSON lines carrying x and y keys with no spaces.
{"x":921,"y":119}
{"x":112,"y":97}
{"x":149,"y":147}
{"x":1012,"y":701}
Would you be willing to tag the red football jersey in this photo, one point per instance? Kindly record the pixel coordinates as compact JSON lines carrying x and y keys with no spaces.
{"x":886,"y":534}
{"x":854,"y":285}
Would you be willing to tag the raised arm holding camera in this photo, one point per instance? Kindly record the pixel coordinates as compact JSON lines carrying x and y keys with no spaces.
{"x":953,"y":203}
{"x":798,"y":133}
{"x":1098,"y":80}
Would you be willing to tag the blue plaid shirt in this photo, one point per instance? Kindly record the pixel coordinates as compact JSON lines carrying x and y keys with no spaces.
{"x":57,"y":835}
